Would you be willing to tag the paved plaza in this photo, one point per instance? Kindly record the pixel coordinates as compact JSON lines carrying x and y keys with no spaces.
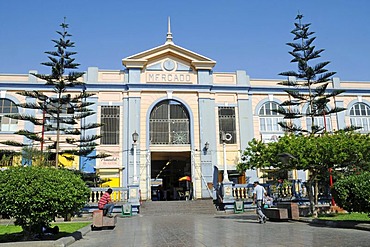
{"x":219,"y":230}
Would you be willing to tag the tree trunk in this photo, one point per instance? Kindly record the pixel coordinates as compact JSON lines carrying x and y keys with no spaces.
{"x":68,"y":217}
{"x":315,"y":212}
{"x":310,"y":196}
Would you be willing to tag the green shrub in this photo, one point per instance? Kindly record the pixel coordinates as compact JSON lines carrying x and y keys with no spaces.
{"x":34,"y":196}
{"x":352,"y":193}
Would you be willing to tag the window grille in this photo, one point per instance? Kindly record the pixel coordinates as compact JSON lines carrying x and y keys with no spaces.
{"x":360,"y":116}
{"x":269,"y":118}
{"x":169,"y":124}
{"x":227,"y":122}
{"x":110,"y":116}
{"x":7,"y":107}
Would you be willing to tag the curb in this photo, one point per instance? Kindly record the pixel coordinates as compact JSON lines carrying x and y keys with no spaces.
{"x":338,"y":224}
{"x":62,"y":242}
{"x":68,"y":240}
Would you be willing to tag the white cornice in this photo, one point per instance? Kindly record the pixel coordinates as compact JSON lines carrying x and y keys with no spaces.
{"x":134,"y":63}
{"x":206,"y":65}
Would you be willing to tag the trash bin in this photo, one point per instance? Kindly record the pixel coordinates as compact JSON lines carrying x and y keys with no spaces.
{"x":238,"y":207}
{"x":126,"y":209}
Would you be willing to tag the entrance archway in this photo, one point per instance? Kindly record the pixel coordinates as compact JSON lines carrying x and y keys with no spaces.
{"x":171,"y":176}
{"x":169,"y":136}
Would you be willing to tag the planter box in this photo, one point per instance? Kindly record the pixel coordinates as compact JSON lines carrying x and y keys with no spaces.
{"x":293,"y":210}
{"x":103,"y":221}
{"x":276,"y":213}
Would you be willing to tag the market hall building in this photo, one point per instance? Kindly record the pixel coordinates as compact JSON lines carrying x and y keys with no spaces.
{"x":169,"y":116}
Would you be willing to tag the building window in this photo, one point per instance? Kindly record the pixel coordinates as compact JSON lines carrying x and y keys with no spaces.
{"x":319,"y":121}
{"x":169,"y":124}
{"x":110,"y":129}
{"x":269,"y":118}
{"x":7,"y":107}
{"x":227,"y":123}
{"x":360,"y":116}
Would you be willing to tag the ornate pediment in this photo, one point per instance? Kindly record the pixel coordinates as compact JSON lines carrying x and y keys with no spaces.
{"x":169,"y":52}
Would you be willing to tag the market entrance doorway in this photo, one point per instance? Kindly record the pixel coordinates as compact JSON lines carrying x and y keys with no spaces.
{"x":171,"y":176}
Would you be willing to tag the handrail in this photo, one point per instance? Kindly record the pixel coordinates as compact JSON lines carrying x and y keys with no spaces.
{"x":120,"y":194}
{"x":292,"y":192}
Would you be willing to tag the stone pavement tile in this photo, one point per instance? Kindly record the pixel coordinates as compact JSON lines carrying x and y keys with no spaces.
{"x":214,"y":231}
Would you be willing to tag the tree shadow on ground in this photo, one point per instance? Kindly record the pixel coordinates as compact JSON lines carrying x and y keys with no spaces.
{"x":19,"y":237}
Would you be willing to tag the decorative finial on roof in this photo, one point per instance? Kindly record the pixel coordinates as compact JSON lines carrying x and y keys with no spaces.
{"x":169,"y":34}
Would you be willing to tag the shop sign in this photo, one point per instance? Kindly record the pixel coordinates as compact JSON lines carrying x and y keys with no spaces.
{"x":110,"y":161}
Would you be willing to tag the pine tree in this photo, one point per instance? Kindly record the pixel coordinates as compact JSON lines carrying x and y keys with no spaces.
{"x":309,"y":84}
{"x":62,"y":112}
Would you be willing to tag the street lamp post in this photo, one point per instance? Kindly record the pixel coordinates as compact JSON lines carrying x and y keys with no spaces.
{"x":225,"y":137}
{"x":134,"y":190}
{"x":227,"y":186}
{"x":135,"y":137}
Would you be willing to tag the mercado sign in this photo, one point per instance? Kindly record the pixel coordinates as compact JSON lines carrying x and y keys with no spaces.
{"x":169,"y":77}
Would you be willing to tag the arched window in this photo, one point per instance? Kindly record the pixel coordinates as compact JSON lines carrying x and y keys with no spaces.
{"x":169,"y":123}
{"x":269,"y":119}
{"x":360,"y":116}
{"x":7,"y":107}
{"x":319,"y":120}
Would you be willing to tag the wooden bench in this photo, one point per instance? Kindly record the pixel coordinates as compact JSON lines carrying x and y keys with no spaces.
{"x":276,"y":213}
{"x":100,"y":221}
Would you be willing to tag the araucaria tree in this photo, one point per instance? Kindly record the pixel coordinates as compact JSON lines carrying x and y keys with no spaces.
{"x":309,"y":84}
{"x":309,"y":97}
{"x":60,"y":110}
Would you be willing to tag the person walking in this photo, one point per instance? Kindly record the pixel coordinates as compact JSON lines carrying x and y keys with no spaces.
{"x":258,"y":193}
{"x":105,"y":203}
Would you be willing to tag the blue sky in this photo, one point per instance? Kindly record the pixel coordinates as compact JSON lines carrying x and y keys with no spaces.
{"x":246,"y":35}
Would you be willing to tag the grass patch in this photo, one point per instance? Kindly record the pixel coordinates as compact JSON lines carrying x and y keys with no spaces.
{"x":12,"y":233}
{"x":361,"y":217}
{"x":4,"y":229}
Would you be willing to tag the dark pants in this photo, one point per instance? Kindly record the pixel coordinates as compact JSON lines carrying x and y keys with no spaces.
{"x":108,"y":209}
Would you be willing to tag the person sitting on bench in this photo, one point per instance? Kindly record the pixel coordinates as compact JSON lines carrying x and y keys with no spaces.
{"x":105,"y":203}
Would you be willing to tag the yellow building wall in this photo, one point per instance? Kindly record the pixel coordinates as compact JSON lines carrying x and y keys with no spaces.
{"x":67,"y":163}
{"x":111,"y":175}
{"x":114,"y":182}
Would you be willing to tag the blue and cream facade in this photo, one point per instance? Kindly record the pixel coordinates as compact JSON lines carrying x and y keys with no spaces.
{"x":179,"y":106}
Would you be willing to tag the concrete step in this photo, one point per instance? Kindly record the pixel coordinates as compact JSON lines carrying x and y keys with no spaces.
{"x":177,"y":207}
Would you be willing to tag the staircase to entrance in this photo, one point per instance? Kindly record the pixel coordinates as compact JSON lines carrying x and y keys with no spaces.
{"x":204,"y":206}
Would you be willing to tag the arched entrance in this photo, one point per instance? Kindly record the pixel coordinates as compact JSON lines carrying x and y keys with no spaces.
{"x":170,"y":176}
{"x":169,"y":130}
